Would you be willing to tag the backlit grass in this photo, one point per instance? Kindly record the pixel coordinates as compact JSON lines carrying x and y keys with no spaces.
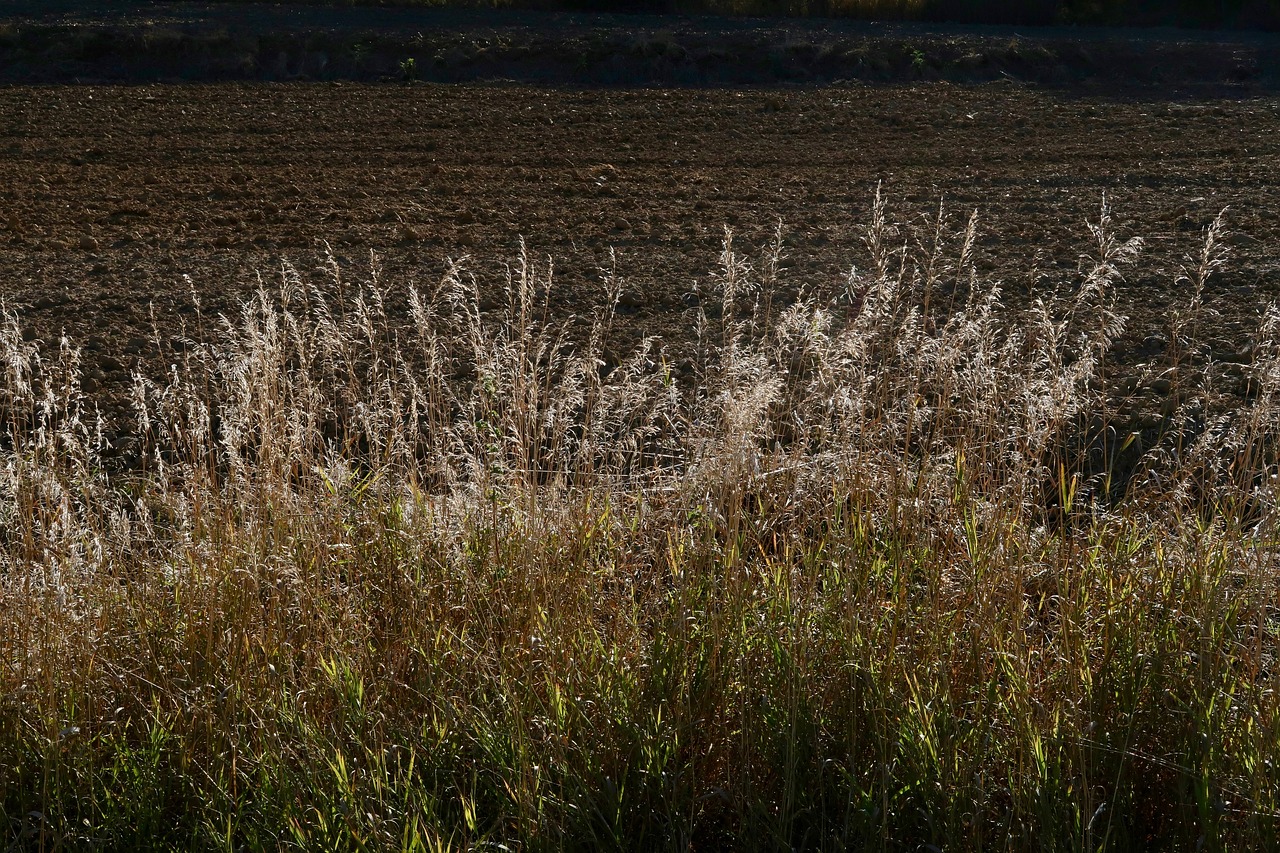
{"x":885,"y":569}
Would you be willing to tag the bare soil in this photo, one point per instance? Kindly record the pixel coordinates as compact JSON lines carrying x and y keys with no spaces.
{"x":122,"y":204}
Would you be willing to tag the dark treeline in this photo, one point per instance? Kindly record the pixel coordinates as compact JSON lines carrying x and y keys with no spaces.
{"x":1182,"y":13}
{"x":1247,"y":14}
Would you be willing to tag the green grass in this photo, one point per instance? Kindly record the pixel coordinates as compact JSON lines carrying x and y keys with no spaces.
{"x":870,"y":575}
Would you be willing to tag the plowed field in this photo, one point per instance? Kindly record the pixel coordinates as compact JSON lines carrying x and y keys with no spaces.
{"x":117,"y":202}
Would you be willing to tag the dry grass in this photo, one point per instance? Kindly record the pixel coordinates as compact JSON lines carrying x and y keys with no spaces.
{"x":874,"y":577}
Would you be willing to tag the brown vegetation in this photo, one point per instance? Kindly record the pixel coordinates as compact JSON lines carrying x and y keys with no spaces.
{"x":859,"y":581}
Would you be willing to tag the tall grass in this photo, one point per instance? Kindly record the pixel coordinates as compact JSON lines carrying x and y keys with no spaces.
{"x":885,"y":569}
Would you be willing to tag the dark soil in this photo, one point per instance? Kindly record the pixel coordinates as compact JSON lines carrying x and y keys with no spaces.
{"x":119,"y":202}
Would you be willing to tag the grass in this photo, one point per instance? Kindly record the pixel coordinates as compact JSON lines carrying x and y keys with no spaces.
{"x":884,"y":570}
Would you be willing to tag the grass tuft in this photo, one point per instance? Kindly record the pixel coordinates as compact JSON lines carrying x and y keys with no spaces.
{"x":887,"y":567}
